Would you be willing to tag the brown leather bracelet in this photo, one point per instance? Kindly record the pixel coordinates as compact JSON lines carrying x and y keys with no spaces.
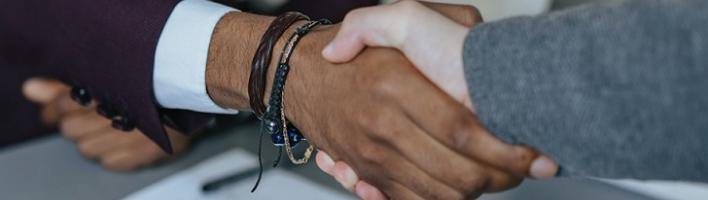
{"x":261,"y":60}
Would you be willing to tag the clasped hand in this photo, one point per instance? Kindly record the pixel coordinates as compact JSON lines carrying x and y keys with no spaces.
{"x":423,"y":144}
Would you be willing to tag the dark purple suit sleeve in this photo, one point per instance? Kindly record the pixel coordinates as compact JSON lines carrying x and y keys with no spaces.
{"x":106,"y":47}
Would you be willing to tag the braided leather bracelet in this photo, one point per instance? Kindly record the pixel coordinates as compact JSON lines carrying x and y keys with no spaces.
{"x":261,"y":60}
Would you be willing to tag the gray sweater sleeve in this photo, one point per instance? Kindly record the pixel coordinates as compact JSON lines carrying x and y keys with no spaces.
{"x":614,"y":90}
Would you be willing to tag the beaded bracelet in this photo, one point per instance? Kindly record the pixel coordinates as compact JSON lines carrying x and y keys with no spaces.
{"x":283,"y":134}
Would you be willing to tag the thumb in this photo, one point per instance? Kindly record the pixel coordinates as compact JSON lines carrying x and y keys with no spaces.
{"x":343,"y":48}
{"x":375,"y":26}
{"x":43,"y":91}
{"x":52,"y":95}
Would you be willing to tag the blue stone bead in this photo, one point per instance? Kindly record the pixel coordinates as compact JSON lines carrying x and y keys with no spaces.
{"x":277,"y":139}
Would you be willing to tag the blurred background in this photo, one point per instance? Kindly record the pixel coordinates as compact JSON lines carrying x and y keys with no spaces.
{"x":48,"y":166}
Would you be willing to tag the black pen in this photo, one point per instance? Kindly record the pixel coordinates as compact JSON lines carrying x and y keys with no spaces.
{"x":230,"y":179}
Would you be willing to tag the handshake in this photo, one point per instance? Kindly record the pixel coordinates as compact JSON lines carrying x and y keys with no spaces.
{"x":409,"y":100}
{"x":392,"y":125}
{"x":432,"y":146}
{"x":383,"y":94}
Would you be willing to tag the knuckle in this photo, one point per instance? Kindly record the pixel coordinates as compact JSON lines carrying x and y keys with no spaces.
{"x":508,"y":182}
{"x":472,"y":12}
{"x":408,"y":4}
{"x":470,"y":183}
{"x":469,"y":15}
{"x":522,"y":158}
{"x":460,"y":139}
{"x":86,"y":149}
{"x":372,"y":125}
{"x":67,"y":129}
{"x":378,"y":128}
{"x":371,"y":122}
{"x":408,"y":8}
{"x":373,"y":155}
{"x":502,"y":181}
{"x":153,"y":151}
{"x":475,"y":186}
{"x":460,"y":131}
{"x":383,"y":86}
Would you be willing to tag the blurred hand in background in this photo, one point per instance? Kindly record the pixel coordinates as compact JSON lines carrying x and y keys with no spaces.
{"x":93,"y":134}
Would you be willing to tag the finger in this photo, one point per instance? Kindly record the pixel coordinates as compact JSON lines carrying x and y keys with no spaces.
{"x":77,"y":125}
{"x":123,"y":160}
{"x":345,"y":175}
{"x":499,"y":181}
{"x":364,"y":27}
{"x":456,"y":127}
{"x":180,"y":141}
{"x":465,"y":15}
{"x":43,"y":91}
{"x":449,"y":167}
{"x":349,"y":40}
{"x":399,"y":192}
{"x":52,"y":95}
{"x":383,"y":168}
{"x":367,"y":191}
{"x":63,"y":105}
{"x":325,"y":162}
{"x":544,"y":167}
{"x":98,"y":144}
{"x":134,"y":156}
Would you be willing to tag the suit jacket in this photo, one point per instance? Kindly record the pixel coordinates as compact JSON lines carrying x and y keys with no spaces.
{"x":105,"y":47}
{"x":615,"y":90}
{"x":20,"y":119}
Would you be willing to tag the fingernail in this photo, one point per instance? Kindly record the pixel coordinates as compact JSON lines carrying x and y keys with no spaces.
{"x":350,"y":175}
{"x":325,"y":162}
{"x":345,"y":176}
{"x":367,"y":192}
{"x":543,"y":167}
{"x":362,"y":191}
{"x":340,"y":177}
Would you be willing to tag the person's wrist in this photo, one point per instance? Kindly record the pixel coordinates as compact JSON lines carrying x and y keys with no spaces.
{"x":230,"y":53}
{"x":304,"y":77}
{"x":229,"y":62}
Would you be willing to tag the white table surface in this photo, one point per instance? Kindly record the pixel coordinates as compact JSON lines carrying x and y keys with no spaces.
{"x":51,"y":168}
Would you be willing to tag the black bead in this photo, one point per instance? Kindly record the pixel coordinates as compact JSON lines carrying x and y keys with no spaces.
{"x":81,"y":96}
{"x":122,"y":123}
{"x":271,"y":126}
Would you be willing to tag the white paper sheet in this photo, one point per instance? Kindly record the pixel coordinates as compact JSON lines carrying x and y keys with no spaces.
{"x":669,"y":190}
{"x":276,"y":184}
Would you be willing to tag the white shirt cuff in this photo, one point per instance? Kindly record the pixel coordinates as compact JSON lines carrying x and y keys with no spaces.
{"x":179,"y":76}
